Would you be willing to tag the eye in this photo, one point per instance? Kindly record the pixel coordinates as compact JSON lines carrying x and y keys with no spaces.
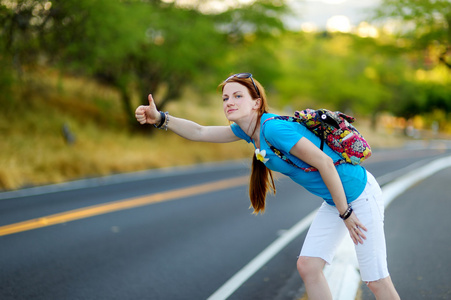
{"x":225,"y":99}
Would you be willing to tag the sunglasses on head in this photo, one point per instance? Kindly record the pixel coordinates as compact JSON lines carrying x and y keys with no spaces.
{"x":245,"y":75}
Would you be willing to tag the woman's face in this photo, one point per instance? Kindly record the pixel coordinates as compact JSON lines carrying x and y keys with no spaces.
{"x":237,"y":102}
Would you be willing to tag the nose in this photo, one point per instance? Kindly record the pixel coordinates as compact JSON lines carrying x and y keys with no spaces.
{"x":230,"y":102}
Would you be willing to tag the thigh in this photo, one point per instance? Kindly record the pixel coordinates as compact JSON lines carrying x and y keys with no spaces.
{"x":325,"y":234}
{"x":371,"y":254}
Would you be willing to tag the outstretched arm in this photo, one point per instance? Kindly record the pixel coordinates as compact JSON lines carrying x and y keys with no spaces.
{"x":309,"y":153}
{"x":148,"y":114}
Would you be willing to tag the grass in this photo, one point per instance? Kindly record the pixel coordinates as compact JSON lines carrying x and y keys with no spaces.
{"x":34,"y":151}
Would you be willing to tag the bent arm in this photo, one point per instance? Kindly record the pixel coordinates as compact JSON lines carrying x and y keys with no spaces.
{"x":309,"y":153}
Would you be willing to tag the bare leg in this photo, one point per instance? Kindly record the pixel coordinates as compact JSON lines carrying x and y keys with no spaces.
{"x":384,"y":289}
{"x":311,"y":271}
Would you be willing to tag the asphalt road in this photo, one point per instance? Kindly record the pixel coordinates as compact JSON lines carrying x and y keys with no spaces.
{"x":189,"y":246}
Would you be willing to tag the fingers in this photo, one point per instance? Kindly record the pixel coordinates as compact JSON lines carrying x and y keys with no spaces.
{"x":357,"y":234}
{"x":356,"y":229}
{"x":145,"y":114}
{"x":140,"y":114}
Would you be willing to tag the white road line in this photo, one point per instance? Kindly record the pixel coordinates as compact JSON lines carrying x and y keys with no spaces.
{"x":342,"y":275}
{"x":399,"y":186}
{"x":254,"y":265}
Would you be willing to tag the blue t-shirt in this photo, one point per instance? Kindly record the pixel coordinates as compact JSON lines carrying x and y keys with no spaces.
{"x":283,"y":135}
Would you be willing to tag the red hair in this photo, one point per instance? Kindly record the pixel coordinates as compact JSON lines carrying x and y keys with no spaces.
{"x":261,"y":179}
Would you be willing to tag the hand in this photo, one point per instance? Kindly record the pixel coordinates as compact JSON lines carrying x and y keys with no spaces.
{"x":355,"y":228}
{"x":148,"y":113}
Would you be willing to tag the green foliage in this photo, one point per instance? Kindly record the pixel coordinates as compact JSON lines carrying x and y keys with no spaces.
{"x":141,"y":47}
{"x":423,"y":29}
{"x":357,"y":75}
{"x":412,"y":99}
{"x":426,"y":23}
{"x":7,"y":81}
{"x":135,"y":46}
{"x":331,"y":71}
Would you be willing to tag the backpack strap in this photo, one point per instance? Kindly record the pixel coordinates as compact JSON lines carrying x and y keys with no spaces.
{"x":286,"y":159}
{"x":322,"y":117}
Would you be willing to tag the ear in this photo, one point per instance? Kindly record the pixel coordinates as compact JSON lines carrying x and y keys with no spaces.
{"x":257,"y":103}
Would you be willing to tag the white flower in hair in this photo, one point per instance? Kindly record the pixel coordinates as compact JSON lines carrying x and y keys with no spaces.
{"x":261,"y":155}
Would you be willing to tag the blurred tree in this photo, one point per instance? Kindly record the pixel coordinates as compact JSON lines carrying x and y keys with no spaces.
{"x":426,"y":23}
{"x":422,"y":29}
{"x":18,"y":46}
{"x":144,"y":46}
{"x":336,"y":71}
{"x":18,"y":29}
{"x":252,"y":33}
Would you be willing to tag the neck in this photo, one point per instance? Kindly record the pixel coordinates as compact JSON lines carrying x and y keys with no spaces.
{"x":252,"y":129}
{"x":256,"y":136}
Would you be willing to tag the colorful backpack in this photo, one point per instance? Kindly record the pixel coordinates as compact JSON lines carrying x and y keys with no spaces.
{"x":334,"y":129}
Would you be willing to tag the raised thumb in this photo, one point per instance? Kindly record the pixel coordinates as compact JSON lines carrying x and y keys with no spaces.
{"x":150,"y":98}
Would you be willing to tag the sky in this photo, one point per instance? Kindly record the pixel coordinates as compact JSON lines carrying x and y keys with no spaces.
{"x":318,"y":12}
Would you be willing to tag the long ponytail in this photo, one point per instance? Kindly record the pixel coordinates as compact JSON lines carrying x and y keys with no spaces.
{"x":261,"y":181}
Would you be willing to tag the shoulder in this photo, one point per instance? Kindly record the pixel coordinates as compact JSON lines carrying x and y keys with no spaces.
{"x":240,"y":133}
{"x":275,"y":124}
{"x":282,"y":134}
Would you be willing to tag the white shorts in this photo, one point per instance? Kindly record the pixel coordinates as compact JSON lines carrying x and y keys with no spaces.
{"x":328,"y":230}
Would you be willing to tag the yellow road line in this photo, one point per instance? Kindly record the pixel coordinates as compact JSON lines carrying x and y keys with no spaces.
{"x":100,"y":209}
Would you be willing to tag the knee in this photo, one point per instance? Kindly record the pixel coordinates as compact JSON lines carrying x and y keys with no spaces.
{"x":383,"y":289}
{"x":309,"y":267}
{"x":374,"y":286}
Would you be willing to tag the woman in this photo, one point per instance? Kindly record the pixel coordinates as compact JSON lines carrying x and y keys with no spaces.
{"x":352,"y":198}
